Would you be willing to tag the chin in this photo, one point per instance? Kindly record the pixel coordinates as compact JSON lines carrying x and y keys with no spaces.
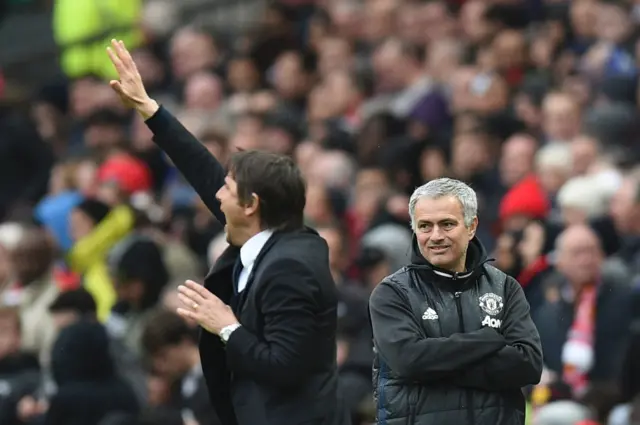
{"x":441,"y":262}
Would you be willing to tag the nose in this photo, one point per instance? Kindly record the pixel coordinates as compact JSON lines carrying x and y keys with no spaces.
{"x":436,"y":234}
{"x":219,"y":194}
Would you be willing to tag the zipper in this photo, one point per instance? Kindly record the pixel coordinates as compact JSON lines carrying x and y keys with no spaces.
{"x":468,"y":392}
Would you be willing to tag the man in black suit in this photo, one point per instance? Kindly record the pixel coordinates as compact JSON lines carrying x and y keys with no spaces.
{"x":268,"y":306}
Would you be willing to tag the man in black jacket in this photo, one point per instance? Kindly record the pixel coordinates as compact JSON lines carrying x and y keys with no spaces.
{"x":268,"y":307}
{"x":453,"y":338}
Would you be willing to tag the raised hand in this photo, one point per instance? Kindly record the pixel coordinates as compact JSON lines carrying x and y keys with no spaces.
{"x":129,"y":87}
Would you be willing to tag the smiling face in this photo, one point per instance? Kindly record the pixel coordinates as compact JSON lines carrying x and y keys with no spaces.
{"x":442,"y":234}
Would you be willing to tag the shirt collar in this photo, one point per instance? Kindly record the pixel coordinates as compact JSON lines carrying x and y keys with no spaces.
{"x":251,"y":249}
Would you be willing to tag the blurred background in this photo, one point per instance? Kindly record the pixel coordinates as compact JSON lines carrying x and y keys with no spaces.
{"x":534,"y":103}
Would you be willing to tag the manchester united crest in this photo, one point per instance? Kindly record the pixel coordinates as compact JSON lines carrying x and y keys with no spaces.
{"x":491,"y":303}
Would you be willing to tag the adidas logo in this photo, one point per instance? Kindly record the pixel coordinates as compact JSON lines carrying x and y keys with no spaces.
{"x":430,"y":314}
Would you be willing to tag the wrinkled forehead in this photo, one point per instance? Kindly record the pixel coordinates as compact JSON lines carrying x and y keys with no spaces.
{"x":438,"y":209}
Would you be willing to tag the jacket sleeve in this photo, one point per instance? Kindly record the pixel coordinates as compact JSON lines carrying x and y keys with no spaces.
{"x":201,"y":169}
{"x":399,"y":339}
{"x":519,"y":363}
{"x":288,"y":306}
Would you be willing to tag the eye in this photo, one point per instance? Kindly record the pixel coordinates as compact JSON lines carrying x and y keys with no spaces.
{"x":449,"y":226}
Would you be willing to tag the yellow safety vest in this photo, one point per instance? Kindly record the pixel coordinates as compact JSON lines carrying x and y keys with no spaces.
{"x":77,"y":20}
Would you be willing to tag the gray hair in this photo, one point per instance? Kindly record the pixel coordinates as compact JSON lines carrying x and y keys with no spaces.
{"x":439,"y":188}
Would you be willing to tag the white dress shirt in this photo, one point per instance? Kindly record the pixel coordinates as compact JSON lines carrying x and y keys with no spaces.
{"x":248,"y":254}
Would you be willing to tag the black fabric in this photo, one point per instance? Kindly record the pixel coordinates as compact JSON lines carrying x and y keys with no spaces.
{"x":452,"y":348}
{"x":88,"y":387}
{"x":25,"y":160}
{"x":77,"y":300}
{"x":614,"y":303}
{"x":279,"y":366}
{"x":95,"y":209}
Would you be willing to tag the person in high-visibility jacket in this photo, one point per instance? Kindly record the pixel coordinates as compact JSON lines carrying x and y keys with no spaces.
{"x":99,"y":21}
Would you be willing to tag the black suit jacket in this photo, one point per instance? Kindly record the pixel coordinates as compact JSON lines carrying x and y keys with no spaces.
{"x":279,"y":367}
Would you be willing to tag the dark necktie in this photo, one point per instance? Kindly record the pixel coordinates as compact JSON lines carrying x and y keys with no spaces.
{"x":237,"y":269}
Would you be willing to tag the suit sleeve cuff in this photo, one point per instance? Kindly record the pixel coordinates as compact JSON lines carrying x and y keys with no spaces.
{"x":159,"y":122}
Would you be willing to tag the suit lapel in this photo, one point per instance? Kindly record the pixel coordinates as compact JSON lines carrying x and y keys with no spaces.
{"x":219,"y":280}
{"x":270,"y":243}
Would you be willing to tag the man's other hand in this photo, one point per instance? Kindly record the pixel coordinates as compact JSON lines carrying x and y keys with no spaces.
{"x":129,"y":86}
{"x":203,"y":307}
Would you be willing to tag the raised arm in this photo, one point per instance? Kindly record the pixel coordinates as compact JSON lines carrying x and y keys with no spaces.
{"x":201,"y":169}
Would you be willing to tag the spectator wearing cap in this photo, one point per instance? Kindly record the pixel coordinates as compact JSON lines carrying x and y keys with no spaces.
{"x":523,"y":202}
{"x":95,"y":229}
{"x":121,"y":176}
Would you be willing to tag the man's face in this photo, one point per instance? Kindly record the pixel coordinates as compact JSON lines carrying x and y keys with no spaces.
{"x":171,"y":362}
{"x":579,"y":258}
{"x":203,"y":91}
{"x":612,"y":23}
{"x":104,"y":136}
{"x":442,"y":235}
{"x":233,"y":211}
{"x":288,"y":75}
{"x":623,"y":208}
{"x":561,"y":117}
{"x":517,"y":159}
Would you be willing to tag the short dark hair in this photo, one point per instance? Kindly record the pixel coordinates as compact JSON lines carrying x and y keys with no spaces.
{"x":163,"y":328}
{"x":277,"y":182}
{"x":78,"y":301}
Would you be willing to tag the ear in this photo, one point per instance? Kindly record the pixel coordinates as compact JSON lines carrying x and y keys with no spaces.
{"x":251,"y":208}
{"x":473,"y":228}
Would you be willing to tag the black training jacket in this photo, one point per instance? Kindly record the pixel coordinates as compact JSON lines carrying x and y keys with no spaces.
{"x":452,"y":349}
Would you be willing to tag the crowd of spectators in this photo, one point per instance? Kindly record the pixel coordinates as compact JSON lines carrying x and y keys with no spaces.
{"x":534,"y":103}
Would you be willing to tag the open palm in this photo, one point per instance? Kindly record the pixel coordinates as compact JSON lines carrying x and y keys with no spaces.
{"x":129,"y":87}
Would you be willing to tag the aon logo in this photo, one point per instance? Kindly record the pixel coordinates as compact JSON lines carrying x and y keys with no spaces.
{"x":491,"y":322}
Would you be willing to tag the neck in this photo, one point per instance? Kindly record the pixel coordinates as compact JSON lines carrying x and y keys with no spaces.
{"x":461,"y":266}
{"x":246,"y":234}
{"x":414,"y":77}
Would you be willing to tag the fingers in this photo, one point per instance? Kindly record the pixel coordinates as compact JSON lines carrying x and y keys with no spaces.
{"x":125,"y":55}
{"x":191,"y":295}
{"x":116,"y":86}
{"x":115,"y":59}
{"x":187,"y":302}
{"x":199,"y":289}
{"x":187,"y":314}
{"x":121,"y":57}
